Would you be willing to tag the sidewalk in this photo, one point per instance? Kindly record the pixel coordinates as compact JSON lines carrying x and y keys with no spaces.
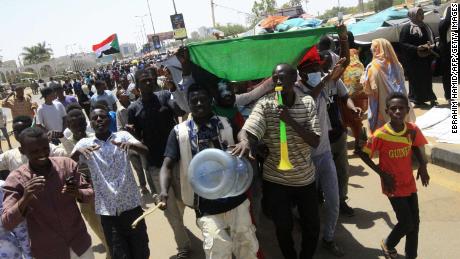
{"x":441,"y":154}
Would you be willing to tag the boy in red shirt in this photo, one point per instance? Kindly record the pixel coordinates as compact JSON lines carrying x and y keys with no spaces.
{"x":395,"y":142}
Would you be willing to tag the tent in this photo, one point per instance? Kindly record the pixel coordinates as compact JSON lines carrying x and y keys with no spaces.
{"x":388,"y":23}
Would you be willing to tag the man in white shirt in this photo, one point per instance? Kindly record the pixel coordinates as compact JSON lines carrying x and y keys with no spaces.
{"x":117,"y":197}
{"x":51,"y":114}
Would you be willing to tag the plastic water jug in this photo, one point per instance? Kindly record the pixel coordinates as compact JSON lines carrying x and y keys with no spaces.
{"x":215,"y":174}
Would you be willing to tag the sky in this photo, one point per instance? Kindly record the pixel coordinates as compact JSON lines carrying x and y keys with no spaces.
{"x":71,"y":26}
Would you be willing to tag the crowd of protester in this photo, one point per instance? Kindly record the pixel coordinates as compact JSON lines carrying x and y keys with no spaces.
{"x":79,"y":147}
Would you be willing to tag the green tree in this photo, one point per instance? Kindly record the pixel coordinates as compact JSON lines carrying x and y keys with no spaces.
{"x":260,"y":9}
{"x":292,"y":3}
{"x":36,"y":54}
{"x":231,"y":29}
{"x":380,"y":5}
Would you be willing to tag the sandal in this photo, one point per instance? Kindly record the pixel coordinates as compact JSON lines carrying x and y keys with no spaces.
{"x":388,"y":253}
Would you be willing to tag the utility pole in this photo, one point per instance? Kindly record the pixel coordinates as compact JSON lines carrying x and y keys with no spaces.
{"x":143,"y":26}
{"x":212,"y":13}
{"x":151,"y":19}
{"x":174,"y":4}
{"x":306,"y":6}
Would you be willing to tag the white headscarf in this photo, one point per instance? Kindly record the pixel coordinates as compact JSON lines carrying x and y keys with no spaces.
{"x":416,"y":26}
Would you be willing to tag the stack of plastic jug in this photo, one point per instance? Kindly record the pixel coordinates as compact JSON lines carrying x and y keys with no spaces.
{"x":215,"y":174}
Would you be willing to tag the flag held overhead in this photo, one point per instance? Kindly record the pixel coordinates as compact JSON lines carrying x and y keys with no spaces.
{"x":254,"y":57}
{"x":107,"y":46}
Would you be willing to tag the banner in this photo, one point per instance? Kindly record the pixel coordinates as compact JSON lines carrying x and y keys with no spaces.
{"x":178,"y":25}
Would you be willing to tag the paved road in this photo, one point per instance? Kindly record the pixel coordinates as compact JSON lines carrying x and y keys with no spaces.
{"x":360,"y":235}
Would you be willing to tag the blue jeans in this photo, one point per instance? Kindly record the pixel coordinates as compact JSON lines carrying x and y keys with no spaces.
{"x":326,"y":177}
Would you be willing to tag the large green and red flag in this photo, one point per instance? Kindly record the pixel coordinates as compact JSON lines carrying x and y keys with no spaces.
{"x":254,"y":57}
{"x":107,"y":46}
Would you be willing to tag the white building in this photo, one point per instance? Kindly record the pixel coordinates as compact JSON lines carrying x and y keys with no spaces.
{"x":128,"y":49}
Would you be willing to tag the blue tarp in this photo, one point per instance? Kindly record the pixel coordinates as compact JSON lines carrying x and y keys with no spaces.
{"x":298,"y":23}
{"x":377,"y":20}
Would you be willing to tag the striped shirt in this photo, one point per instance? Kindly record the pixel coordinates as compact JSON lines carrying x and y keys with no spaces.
{"x":263,"y":123}
{"x":20,"y":107}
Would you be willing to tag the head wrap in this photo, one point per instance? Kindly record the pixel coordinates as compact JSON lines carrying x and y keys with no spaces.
{"x":310,"y":58}
{"x":384,"y":64}
{"x":416,"y":26}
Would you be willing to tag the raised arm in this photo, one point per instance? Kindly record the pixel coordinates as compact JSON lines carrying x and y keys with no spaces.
{"x":344,"y":46}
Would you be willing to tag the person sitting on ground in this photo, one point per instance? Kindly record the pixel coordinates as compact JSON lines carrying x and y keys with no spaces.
{"x":395,"y":142}
{"x":43,"y":183}
{"x":225,"y":223}
{"x":102,"y":94}
{"x":117,"y":198}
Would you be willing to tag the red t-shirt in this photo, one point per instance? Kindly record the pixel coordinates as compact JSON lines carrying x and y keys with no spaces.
{"x":395,"y":155}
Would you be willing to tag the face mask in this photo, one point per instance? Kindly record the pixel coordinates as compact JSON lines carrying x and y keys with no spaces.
{"x":314,"y":78}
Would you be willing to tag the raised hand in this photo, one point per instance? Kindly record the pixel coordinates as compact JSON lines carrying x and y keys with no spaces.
{"x":123,"y":145}
{"x":86,"y":151}
{"x":34,"y":186}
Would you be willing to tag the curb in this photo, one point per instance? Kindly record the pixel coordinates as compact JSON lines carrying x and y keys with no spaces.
{"x":445,"y":157}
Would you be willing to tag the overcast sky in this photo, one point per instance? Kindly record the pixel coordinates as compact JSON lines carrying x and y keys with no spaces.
{"x":75,"y":25}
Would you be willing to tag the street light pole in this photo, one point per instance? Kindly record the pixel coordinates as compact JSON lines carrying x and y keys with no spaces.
{"x":212,"y":13}
{"x":151,"y":19}
{"x":174,"y":4}
{"x":143,"y":26}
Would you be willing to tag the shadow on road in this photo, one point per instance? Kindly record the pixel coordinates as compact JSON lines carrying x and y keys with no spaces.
{"x":365,"y":219}
{"x":197,"y":247}
{"x":357,"y":171}
{"x":354,"y":249}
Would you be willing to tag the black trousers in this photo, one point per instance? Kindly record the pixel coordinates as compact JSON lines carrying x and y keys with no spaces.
{"x":123,"y":241}
{"x":407,"y":213}
{"x":279,"y":200}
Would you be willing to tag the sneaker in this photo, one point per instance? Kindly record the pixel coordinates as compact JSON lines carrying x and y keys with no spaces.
{"x":346,"y":210}
{"x":387,"y":252}
{"x":333,"y":248}
{"x":183,"y":254}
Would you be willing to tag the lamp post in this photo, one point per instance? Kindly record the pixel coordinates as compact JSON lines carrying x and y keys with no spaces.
{"x":151,"y":19}
{"x":174,"y":4}
{"x":143,"y":25}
